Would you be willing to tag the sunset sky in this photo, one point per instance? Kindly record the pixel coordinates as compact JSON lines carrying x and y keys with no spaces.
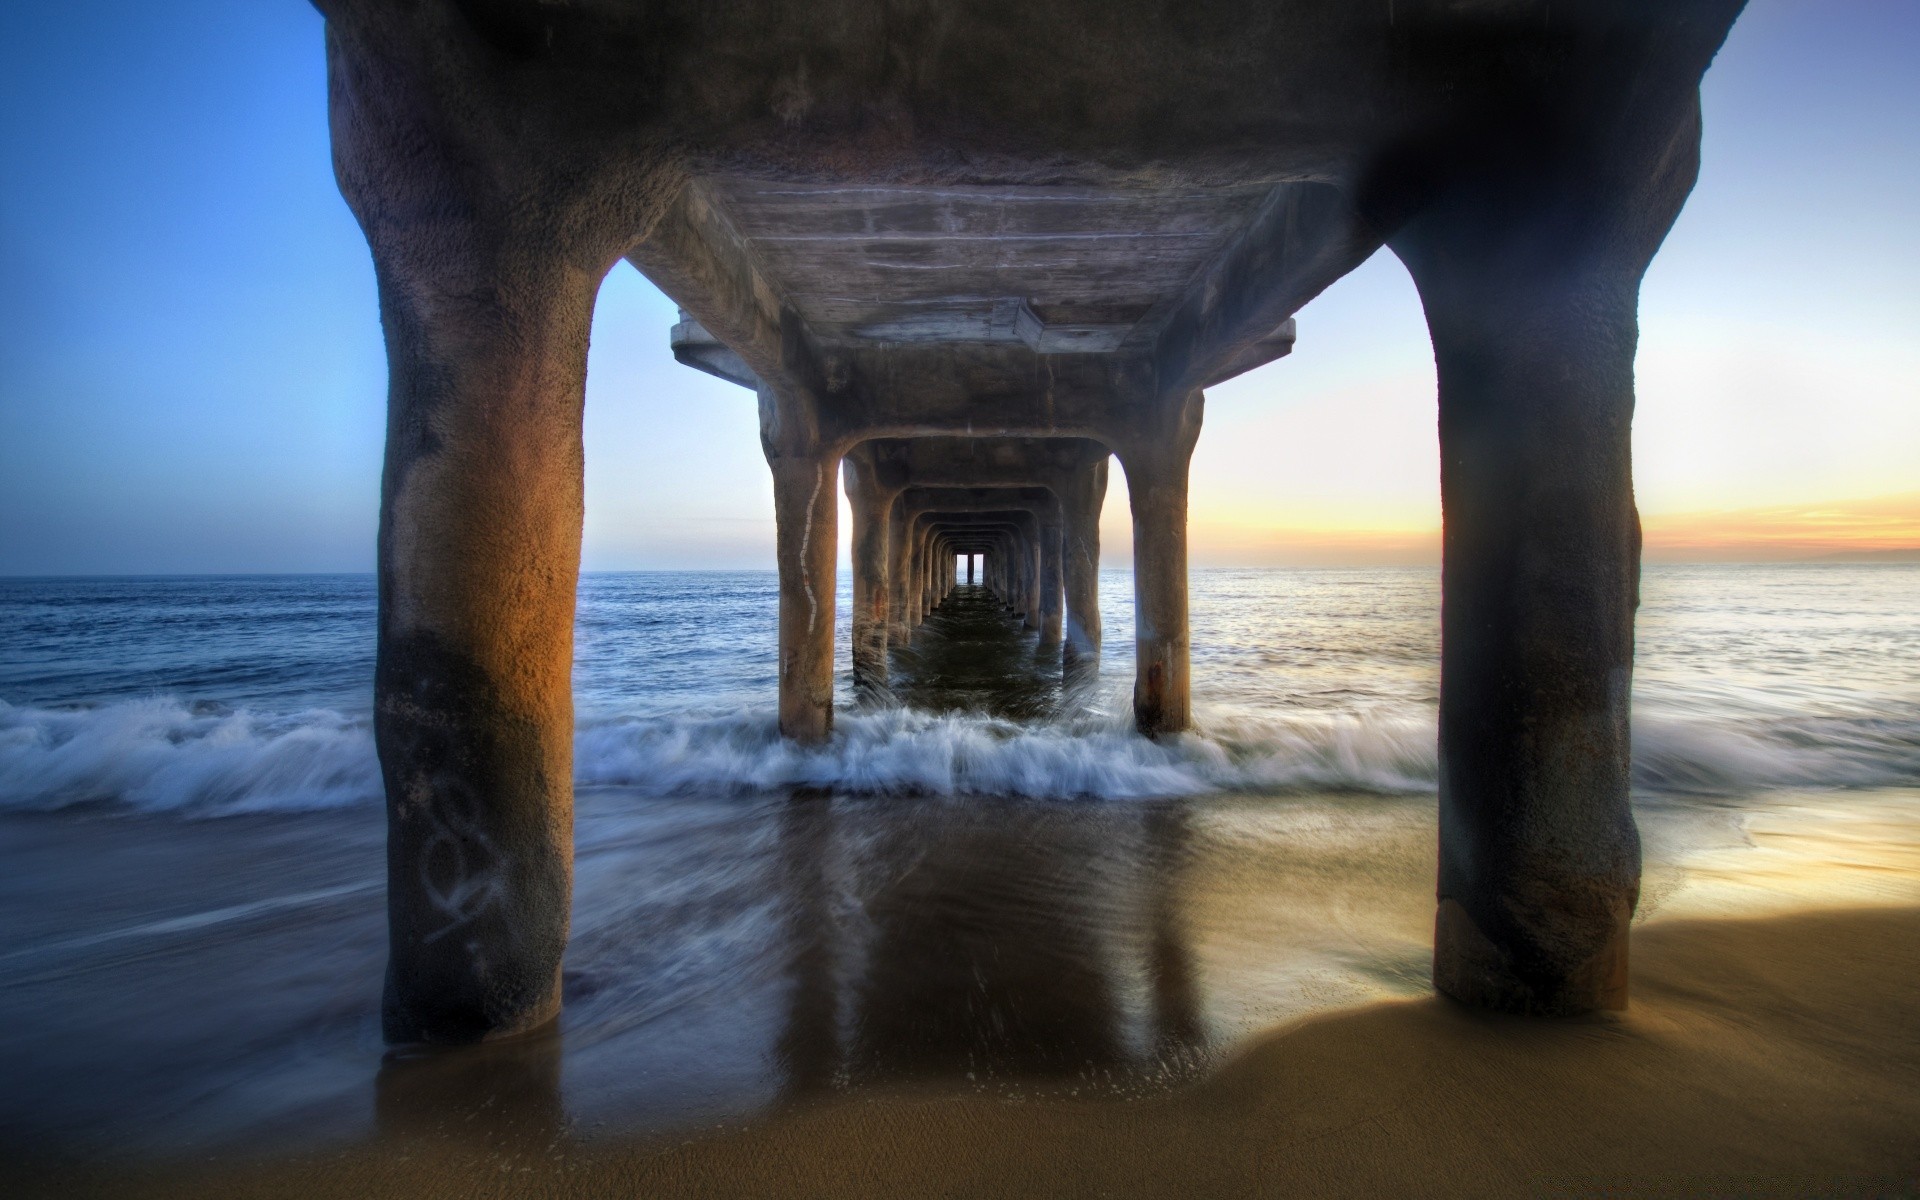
{"x":191,"y":374}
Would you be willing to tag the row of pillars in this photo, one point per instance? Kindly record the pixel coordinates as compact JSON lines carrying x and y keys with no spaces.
{"x":1530,"y":289}
{"x":1038,"y":544}
{"x":1032,"y":509}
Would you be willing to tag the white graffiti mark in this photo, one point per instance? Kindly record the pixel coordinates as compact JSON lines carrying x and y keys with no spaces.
{"x":806,"y":540}
{"x":465,"y":855}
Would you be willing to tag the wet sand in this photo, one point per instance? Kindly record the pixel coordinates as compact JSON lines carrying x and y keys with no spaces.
{"x":1773,"y":1056}
{"x":818,"y":994}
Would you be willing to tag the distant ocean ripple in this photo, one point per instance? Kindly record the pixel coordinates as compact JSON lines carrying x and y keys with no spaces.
{"x":215,"y":696}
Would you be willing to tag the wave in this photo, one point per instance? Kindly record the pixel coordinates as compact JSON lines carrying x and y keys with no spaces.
{"x":903,"y":751}
{"x":164,"y":755}
{"x":1702,"y":757}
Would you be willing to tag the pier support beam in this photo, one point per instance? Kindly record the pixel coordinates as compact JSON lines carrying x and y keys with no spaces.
{"x":1530,"y":281}
{"x":1156,"y":467}
{"x":899,"y":559}
{"x":806,"y":517}
{"x":1082,"y":495}
{"x":870,"y":500}
{"x":486,"y":308}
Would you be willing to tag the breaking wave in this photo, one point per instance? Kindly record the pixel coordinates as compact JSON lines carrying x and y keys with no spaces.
{"x":164,"y":755}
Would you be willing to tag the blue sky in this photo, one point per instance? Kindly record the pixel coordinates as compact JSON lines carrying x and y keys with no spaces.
{"x":191,"y":375}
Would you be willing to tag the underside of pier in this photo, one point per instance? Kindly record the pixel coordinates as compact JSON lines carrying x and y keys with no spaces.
{"x":936,"y":239}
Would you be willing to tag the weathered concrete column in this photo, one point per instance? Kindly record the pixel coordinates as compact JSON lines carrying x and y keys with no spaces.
{"x":1156,"y":467}
{"x":920,"y":605}
{"x":1030,"y":558}
{"x":1052,"y":586}
{"x":1010,"y":563}
{"x":916,"y":605}
{"x":970,"y":558}
{"x":1082,"y":495}
{"x":486,"y":307}
{"x":870,"y":502}
{"x":1530,"y":279}
{"x":929,"y":571}
{"x":806,"y":518}
{"x":899,"y":558}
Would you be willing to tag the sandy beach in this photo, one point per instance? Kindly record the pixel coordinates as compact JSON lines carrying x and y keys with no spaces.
{"x":1771,"y":1056}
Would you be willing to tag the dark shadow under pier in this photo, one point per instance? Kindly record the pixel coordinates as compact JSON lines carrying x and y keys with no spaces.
{"x":972,"y":655}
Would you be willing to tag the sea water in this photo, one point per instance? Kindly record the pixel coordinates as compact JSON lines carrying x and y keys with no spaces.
{"x":204,"y":696}
{"x":957,"y":889}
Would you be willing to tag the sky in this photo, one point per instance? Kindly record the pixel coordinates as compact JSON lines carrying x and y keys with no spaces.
{"x":192,"y":377}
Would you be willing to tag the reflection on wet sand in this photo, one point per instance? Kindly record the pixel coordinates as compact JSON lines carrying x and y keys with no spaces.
{"x":184,"y":987}
{"x":948,"y":945}
{"x":503,"y":1095}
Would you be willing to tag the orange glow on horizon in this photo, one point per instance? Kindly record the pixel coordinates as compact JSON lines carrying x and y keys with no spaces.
{"x":1882,"y":524}
{"x":1886,"y":526}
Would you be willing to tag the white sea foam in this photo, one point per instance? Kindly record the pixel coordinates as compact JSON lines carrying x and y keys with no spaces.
{"x":162,"y":755}
{"x":904,"y":751}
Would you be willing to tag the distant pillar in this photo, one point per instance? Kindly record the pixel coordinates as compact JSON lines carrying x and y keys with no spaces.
{"x":486,"y":308}
{"x":1156,"y":469}
{"x":806,"y":516}
{"x":923,"y":571}
{"x":1083,"y":494}
{"x":1051,"y":585}
{"x":869,"y":502}
{"x":1030,"y":575}
{"x":899,"y":559}
{"x":1020,"y":573}
{"x":970,"y":558}
{"x":910,"y":609}
{"x":1530,"y":286}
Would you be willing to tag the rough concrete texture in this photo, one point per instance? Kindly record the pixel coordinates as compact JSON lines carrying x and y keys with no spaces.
{"x":1055,"y":220}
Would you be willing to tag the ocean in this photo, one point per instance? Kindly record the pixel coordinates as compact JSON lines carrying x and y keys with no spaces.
{"x":208,"y":696}
{"x":985,"y":884}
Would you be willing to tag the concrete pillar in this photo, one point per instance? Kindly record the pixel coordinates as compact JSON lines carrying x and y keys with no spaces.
{"x":931,"y":572}
{"x":923,"y":571}
{"x":486,"y":309}
{"x":970,"y":558}
{"x":806,"y":516}
{"x":1082,"y":495}
{"x":870,"y":504}
{"x":1052,"y":588}
{"x":1157,"y":486}
{"x":1016,"y":590}
{"x":1030,"y":555}
{"x":1530,"y":286}
{"x":899,"y":558}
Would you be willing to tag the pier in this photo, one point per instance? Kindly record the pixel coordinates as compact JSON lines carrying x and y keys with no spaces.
{"x":970,"y":253}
